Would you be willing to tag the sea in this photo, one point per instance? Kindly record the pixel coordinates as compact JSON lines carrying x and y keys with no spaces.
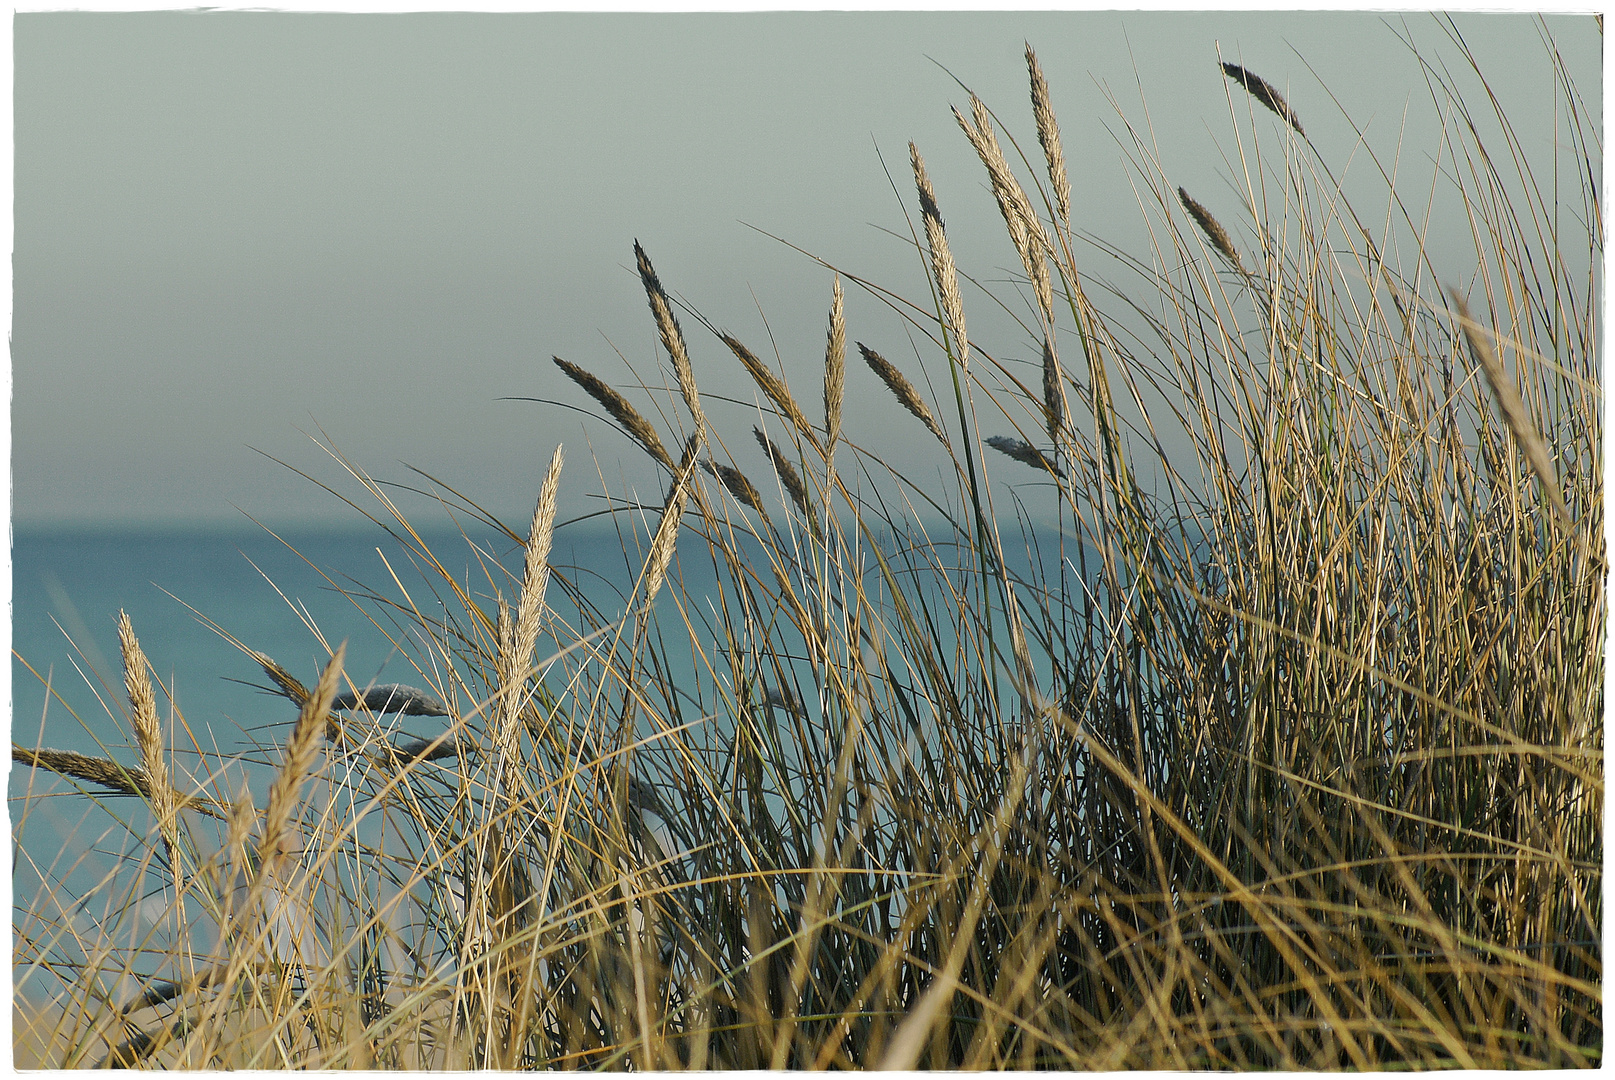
{"x":187,"y":593}
{"x":287,"y":595}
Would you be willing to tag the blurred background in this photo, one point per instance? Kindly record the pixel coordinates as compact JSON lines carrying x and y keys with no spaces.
{"x":235,"y":230}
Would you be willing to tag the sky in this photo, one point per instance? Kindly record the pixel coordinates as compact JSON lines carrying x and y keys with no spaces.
{"x":239,"y":233}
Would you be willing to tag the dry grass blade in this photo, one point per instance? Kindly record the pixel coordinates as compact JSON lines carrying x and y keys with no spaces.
{"x":1025,"y":230}
{"x":1212,"y":228}
{"x":942,"y":268}
{"x":148,"y":730}
{"x":1513,"y":409}
{"x":771,"y":385}
{"x":835,"y":370}
{"x":740,"y":487}
{"x":622,"y":412}
{"x":1263,"y":91}
{"x":302,"y":748}
{"x":903,"y":389}
{"x":1053,"y":390}
{"x":1048,"y":134}
{"x":672,"y":336}
{"x":1024,"y":452}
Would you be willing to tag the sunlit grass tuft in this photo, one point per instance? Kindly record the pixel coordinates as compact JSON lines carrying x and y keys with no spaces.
{"x":1281,"y":747}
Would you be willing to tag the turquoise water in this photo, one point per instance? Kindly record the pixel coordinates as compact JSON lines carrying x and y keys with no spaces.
{"x":69,"y":587}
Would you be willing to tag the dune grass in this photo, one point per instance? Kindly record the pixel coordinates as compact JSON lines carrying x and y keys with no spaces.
{"x":1281,"y":748}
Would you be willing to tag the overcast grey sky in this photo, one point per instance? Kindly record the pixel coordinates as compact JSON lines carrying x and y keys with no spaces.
{"x":230,"y":227}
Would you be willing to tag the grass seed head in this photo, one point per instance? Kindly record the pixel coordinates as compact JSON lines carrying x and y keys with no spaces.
{"x":1020,"y":219}
{"x":622,"y":412}
{"x":1515,"y":415}
{"x":771,"y":385}
{"x":1263,"y":91}
{"x":672,"y":337}
{"x":148,"y":729}
{"x":302,"y":749}
{"x":903,"y":390}
{"x":1048,"y":134}
{"x":285,"y":680}
{"x":1024,"y":452}
{"x":1213,"y":230}
{"x":667,"y":532}
{"x":942,"y":268}
{"x":835,"y":370}
{"x":106,"y":773}
{"x":530,"y":609}
{"x":789,"y":478}
{"x":1053,"y":389}
{"x":737,"y":484}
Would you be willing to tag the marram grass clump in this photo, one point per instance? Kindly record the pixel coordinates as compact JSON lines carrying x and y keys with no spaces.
{"x":1280,"y":748}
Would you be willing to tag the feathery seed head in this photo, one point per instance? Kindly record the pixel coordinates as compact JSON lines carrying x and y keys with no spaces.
{"x":288,"y":683}
{"x":771,"y":385}
{"x":1213,"y":230}
{"x":148,"y":730}
{"x":942,"y":268}
{"x":1263,"y":91}
{"x":530,"y":609}
{"x":1053,"y":390}
{"x":1020,"y":219}
{"x":1048,"y":134}
{"x":903,"y":389}
{"x":672,"y":337}
{"x":665,"y":541}
{"x":1515,"y":414}
{"x":737,"y":484}
{"x":622,"y":412}
{"x":1024,"y":452}
{"x":301,"y":750}
{"x":835,"y":370}
{"x":789,"y":478}
{"x":125,"y":779}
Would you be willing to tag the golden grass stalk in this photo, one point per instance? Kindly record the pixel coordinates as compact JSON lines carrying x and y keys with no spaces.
{"x":1212,"y":228}
{"x":148,"y":732}
{"x":530,"y":610}
{"x":835,"y":371}
{"x":1263,"y":91}
{"x":788,"y":476}
{"x":1053,"y":389}
{"x":622,"y":412}
{"x":1048,"y":134}
{"x":1025,"y":230}
{"x":771,"y":385}
{"x":301,"y":750}
{"x":1513,"y":409}
{"x":672,"y":337}
{"x":667,"y":533}
{"x":123,"y":779}
{"x":903,"y":389}
{"x":740,"y":487}
{"x":1024,"y":452}
{"x":942,"y":268}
